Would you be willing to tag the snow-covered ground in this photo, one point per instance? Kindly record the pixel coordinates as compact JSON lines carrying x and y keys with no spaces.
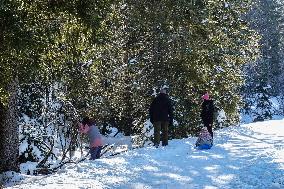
{"x":243,"y":157}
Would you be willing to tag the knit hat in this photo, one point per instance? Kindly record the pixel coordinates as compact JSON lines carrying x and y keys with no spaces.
{"x":205,"y":96}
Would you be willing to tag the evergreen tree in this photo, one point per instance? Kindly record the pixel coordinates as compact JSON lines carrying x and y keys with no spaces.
{"x":191,"y":46}
{"x":109,"y":58}
{"x":267,"y":19}
{"x":263,"y":110}
{"x":38,"y":41}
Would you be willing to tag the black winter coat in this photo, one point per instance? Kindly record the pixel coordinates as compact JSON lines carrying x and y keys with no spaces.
{"x":207,"y":111}
{"x":161,"y":109}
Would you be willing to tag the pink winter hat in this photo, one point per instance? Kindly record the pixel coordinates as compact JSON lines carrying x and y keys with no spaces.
{"x":205,"y":96}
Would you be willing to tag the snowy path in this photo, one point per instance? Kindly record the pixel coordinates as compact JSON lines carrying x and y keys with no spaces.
{"x":243,"y":157}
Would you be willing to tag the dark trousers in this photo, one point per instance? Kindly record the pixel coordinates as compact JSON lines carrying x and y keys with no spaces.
{"x":95,"y":152}
{"x":158,"y":127}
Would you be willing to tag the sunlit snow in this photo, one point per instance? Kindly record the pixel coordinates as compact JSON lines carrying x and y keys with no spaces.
{"x":249,"y":156}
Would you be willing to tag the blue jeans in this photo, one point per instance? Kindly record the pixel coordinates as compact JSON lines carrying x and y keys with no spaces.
{"x":95,"y":152}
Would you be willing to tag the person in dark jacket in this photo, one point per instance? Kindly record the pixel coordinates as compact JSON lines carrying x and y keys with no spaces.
{"x":207,"y":112}
{"x":161,"y":116}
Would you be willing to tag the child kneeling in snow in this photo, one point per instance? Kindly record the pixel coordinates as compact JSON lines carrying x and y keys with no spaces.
{"x":88,"y":127}
{"x":204,"y":140}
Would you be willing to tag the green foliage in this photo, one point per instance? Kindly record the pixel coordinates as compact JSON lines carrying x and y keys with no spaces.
{"x":267,"y":19}
{"x":109,"y":57}
{"x":264,"y":109}
{"x":189,"y":46}
{"x":45,"y":44}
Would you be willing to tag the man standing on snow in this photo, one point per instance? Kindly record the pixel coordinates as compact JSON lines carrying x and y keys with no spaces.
{"x":161,"y":116}
{"x":207,"y":113}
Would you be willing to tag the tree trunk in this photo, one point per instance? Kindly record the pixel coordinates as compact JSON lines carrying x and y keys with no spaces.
{"x":9,"y":132}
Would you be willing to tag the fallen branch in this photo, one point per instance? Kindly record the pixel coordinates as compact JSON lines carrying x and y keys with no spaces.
{"x":47,"y":171}
{"x":105,"y":149}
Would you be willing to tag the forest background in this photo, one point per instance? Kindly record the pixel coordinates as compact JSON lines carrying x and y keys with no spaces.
{"x":62,"y":60}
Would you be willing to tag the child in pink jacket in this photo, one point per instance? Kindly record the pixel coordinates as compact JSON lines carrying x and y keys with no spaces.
{"x":88,"y":127}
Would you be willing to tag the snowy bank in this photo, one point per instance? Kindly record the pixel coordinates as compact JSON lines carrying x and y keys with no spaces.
{"x":249,"y":156}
